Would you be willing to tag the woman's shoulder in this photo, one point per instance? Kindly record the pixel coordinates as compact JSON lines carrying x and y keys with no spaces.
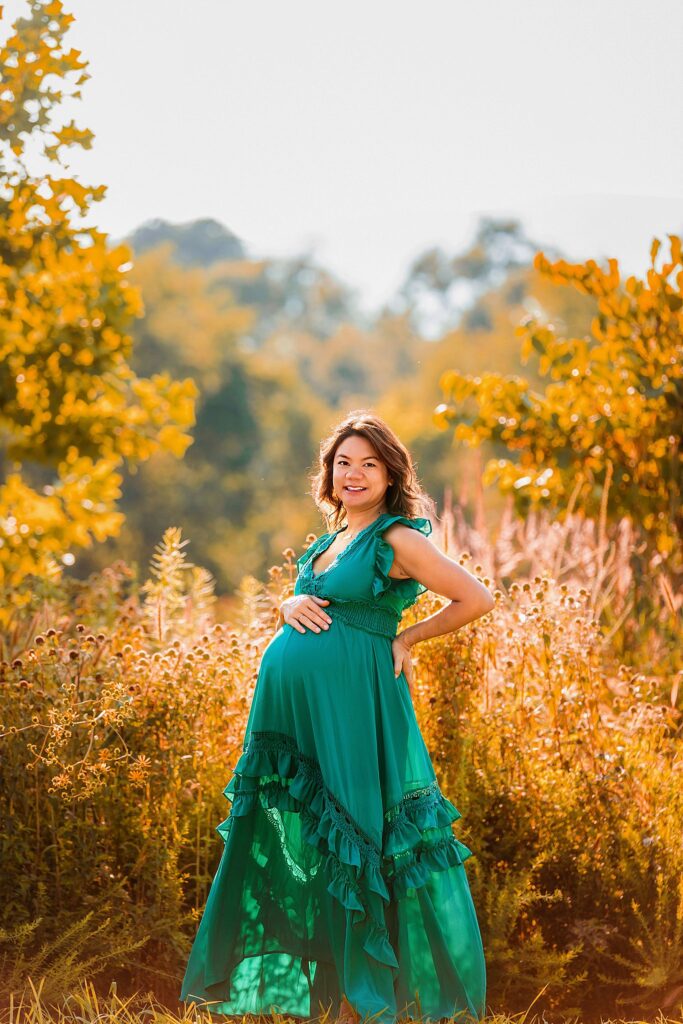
{"x":419,"y":523}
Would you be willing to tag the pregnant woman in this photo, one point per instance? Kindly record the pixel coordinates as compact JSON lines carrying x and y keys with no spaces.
{"x":341,"y":882}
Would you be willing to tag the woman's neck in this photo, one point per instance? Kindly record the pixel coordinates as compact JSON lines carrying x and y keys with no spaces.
{"x":357,"y":521}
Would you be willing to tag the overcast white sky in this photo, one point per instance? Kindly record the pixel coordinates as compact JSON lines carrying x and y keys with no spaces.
{"x":371,"y":129}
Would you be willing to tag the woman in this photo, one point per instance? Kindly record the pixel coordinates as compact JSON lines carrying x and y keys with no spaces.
{"x":341,"y":881}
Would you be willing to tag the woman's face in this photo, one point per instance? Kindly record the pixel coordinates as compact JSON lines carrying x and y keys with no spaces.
{"x":359,"y":478}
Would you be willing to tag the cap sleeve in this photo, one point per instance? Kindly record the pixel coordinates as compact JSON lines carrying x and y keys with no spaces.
{"x":384,"y":554}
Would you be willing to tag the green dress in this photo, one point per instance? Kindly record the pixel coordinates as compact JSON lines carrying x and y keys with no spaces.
{"x":340,"y":872}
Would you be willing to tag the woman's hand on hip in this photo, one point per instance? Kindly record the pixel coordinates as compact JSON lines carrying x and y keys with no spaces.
{"x":403,"y":661}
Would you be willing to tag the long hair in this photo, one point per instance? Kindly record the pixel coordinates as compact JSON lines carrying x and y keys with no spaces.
{"x":404,"y":496}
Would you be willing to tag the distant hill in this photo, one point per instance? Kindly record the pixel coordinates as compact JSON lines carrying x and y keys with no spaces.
{"x":199,"y":243}
{"x":294,"y":293}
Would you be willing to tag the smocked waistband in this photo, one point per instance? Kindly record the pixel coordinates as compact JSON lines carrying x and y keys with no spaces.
{"x":356,"y":613}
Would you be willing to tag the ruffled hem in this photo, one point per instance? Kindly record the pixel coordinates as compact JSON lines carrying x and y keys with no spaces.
{"x":384,"y":558}
{"x":417,"y":838}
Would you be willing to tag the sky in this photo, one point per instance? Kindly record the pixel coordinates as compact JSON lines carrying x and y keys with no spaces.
{"x":366,"y":132}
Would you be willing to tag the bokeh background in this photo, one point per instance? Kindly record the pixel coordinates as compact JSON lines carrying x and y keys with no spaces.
{"x":222,"y":228}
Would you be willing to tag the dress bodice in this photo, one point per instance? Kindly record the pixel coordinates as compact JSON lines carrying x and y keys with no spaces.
{"x":359,"y":575}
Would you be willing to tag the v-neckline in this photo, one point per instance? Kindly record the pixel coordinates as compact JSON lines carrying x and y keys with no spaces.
{"x":335,"y":560}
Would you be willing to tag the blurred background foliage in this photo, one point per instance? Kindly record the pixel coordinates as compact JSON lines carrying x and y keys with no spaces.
{"x":168,"y":383}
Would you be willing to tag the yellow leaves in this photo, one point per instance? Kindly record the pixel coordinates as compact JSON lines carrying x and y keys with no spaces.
{"x":646,"y":302}
{"x":174,"y":440}
{"x":70,"y":398}
{"x":440,"y":417}
{"x":612,"y":400}
{"x":61,"y":189}
{"x":622,"y":307}
{"x":84,"y":357}
{"x":597,"y":328}
{"x":71,"y":313}
{"x":613,"y":278}
{"x":121,"y":257}
{"x":541,"y":263}
{"x":182,"y":395}
{"x":654,"y":281}
{"x":110,"y":339}
{"x":658,"y":449}
{"x":501,"y":471}
{"x":449,"y":381}
{"x":665,"y":543}
{"x":72,"y":512}
{"x":71,"y":58}
{"x":464,"y":433}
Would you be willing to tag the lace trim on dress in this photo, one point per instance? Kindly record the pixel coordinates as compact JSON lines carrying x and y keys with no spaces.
{"x":417,"y":838}
{"x":308,"y":553}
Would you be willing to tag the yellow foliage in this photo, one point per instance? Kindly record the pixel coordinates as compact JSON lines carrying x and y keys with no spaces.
{"x":70,"y":401}
{"x":614,"y":405}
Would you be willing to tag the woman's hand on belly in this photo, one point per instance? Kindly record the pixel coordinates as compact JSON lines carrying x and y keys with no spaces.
{"x":304,"y":611}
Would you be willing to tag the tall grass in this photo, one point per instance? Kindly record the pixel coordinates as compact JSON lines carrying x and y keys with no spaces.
{"x":553,"y":723}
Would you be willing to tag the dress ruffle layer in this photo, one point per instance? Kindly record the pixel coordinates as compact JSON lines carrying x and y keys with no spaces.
{"x":417,"y":837}
{"x":384,"y":559}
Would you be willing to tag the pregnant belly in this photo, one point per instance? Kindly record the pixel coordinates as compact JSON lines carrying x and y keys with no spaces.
{"x":340,"y":656}
{"x":293,"y":655}
{"x":335,"y":692}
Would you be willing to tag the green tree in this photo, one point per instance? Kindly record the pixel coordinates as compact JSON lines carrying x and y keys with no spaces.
{"x":442,"y":290}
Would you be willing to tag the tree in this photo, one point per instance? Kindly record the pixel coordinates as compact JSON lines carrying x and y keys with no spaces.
{"x":71,"y":408}
{"x":443,"y":291}
{"x":613,"y":412}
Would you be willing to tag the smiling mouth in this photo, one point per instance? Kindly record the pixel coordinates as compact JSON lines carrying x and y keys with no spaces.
{"x":347,"y":488}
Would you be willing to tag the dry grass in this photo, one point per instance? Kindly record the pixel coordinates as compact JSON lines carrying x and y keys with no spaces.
{"x":86,"y":1005}
{"x":553,"y":723}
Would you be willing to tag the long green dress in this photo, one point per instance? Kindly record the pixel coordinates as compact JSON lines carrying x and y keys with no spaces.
{"x":340,"y":872}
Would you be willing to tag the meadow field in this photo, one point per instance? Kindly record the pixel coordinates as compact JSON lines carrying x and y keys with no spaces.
{"x":161,"y":401}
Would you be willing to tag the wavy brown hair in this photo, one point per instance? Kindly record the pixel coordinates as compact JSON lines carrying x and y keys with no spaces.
{"x":404,"y":496}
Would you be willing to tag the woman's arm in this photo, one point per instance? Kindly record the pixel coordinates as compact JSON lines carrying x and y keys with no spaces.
{"x":418,"y":558}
